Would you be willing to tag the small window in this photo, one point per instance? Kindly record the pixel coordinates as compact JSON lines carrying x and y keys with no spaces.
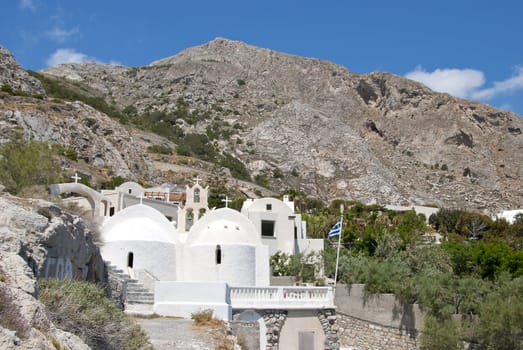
{"x":130,"y":191}
{"x":197,"y":195}
{"x":130,"y":260}
{"x":267,"y":228}
{"x":268,"y":207}
{"x":218,"y":255}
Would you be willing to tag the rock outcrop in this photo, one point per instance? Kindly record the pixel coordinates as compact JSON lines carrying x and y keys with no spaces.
{"x":38,"y":239}
{"x":95,"y":138}
{"x":13,"y":76}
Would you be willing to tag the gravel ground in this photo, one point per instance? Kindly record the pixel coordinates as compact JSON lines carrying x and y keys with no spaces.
{"x":171,"y":333}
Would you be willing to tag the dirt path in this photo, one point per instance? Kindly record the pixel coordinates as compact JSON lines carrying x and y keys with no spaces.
{"x":171,"y":333}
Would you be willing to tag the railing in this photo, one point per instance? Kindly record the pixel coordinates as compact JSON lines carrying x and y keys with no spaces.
{"x":282,"y":297}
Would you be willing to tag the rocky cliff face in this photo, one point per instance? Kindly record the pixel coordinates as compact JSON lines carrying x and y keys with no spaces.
{"x":15,"y":77}
{"x":330,"y":132}
{"x":96,"y":139}
{"x":37,"y":239}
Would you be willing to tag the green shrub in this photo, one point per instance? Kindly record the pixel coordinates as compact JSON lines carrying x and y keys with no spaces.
{"x":160,"y":149}
{"x":236,"y":166}
{"x":440,"y":335}
{"x":60,"y":90}
{"x":83,"y":309}
{"x":11,"y":91}
{"x":262,"y":180}
{"x":241,"y":82}
{"x":202,"y":317}
{"x":113,"y":183}
{"x":24,"y":163}
{"x":71,"y":154}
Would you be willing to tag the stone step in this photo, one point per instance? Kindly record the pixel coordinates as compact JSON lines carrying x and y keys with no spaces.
{"x":139,"y":295}
{"x":139,"y":309}
{"x":138,"y":290}
{"x":140,"y":301}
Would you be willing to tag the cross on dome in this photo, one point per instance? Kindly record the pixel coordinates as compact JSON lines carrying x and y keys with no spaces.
{"x":76,"y":178}
{"x":197,"y":179}
{"x":227,"y":201}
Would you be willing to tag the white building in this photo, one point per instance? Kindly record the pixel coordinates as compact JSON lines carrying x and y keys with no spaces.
{"x":509,"y":215}
{"x":221,"y":262}
{"x":279,"y":226}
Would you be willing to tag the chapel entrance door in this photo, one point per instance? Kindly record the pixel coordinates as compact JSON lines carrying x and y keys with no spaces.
{"x":306,"y":340}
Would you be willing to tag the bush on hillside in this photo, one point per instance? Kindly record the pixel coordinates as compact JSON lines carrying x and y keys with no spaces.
{"x":83,"y":309}
{"x":25,"y":163}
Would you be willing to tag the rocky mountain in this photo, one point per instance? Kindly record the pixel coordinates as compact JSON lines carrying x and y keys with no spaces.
{"x":307,"y":124}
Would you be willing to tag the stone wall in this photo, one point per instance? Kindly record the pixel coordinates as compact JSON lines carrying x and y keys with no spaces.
{"x":376,"y":321}
{"x":274,"y":320}
{"x":330,"y":324}
{"x":356,"y":334}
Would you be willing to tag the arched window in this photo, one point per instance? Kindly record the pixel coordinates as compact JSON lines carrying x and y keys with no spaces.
{"x":130,"y":259}
{"x":218,"y":254}
{"x":197,"y":195}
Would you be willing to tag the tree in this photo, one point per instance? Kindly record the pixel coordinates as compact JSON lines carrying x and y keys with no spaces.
{"x":25,"y":163}
{"x":440,"y":335}
{"x":501,"y":316}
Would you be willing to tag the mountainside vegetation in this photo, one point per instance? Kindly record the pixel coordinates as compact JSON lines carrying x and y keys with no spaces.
{"x":469,"y":286}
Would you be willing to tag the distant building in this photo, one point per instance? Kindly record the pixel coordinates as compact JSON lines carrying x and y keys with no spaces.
{"x":509,"y":215}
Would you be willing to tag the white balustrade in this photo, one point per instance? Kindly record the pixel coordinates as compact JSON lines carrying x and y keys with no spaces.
{"x":282,"y":297}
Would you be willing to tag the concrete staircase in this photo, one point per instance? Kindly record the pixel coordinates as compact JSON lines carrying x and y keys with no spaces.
{"x":137,"y":299}
{"x":140,"y":300}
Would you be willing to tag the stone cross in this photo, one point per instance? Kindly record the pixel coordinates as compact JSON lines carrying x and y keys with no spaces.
{"x":76,"y":178}
{"x":197,"y":179}
{"x":227,"y":201}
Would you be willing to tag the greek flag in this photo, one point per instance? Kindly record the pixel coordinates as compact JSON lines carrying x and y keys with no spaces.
{"x":335,"y":230}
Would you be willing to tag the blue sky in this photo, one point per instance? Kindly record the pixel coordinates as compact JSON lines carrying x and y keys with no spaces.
{"x":470,"y":49}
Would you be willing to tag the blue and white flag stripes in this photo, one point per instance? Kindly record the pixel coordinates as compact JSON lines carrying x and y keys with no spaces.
{"x":335,"y":230}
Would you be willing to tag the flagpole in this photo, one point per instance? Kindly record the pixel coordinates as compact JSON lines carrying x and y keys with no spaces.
{"x":338,"y":252}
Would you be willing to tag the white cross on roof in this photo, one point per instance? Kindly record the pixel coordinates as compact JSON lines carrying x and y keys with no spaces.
{"x":227,"y":201}
{"x":76,"y":178}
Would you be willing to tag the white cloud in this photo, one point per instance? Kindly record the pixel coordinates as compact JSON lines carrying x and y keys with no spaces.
{"x":457,"y":82}
{"x":72,"y":56}
{"x":67,"y":56}
{"x":502,"y":87}
{"x":60,"y":35}
{"x":27,"y":5}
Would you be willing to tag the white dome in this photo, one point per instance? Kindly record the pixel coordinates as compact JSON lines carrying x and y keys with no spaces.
{"x":139,"y":223}
{"x":223,"y":226}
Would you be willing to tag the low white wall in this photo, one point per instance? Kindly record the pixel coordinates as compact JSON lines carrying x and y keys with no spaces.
{"x":309,"y":245}
{"x":181,"y":299}
{"x":382,"y":309}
